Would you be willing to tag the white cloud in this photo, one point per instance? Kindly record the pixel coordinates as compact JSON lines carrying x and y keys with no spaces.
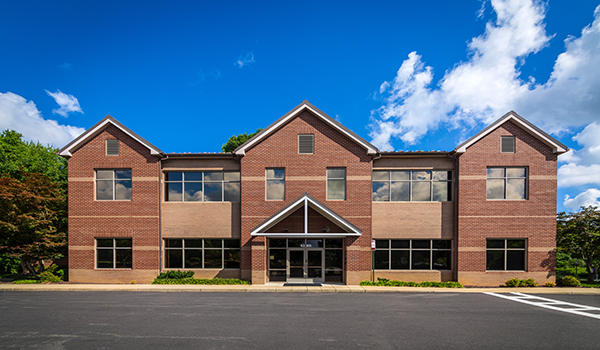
{"x":573,"y":174}
{"x":582,"y":166}
{"x":23,"y":116}
{"x":67,"y":103}
{"x":245,"y":60}
{"x":589,"y":197}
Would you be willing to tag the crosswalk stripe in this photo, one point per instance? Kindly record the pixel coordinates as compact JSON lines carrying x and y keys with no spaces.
{"x":577,"y":309}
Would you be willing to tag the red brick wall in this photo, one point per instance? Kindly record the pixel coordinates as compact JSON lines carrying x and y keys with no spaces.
{"x":532,"y":219}
{"x":280,"y":149}
{"x":138,"y":218}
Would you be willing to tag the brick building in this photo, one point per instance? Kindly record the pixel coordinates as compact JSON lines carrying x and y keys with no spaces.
{"x":305,"y":199}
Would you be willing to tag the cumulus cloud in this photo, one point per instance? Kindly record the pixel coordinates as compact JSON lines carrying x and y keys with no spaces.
{"x":582,"y":167}
{"x":584,"y":199}
{"x":68,"y":103}
{"x":18,"y":114}
{"x":489,"y":83}
{"x":245,"y":60}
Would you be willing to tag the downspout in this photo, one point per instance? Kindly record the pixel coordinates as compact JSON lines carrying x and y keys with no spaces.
{"x":160,"y":192}
{"x":456,"y":196}
{"x":377,"y":156}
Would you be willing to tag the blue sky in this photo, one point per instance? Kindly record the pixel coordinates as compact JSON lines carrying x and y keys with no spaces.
{"x":406,"y":75}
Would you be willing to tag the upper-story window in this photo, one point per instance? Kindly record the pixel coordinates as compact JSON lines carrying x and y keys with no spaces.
{"x":506,"y":183}
{"x":306,"y":143}
{"x":507,"y":144}
{"x":113,"y":184}
{"x":275,"y":186}
{"x":336,"y":184}
{"x":202,"y":186}
{"x":415,"y":186}
{"x":112,"y":147}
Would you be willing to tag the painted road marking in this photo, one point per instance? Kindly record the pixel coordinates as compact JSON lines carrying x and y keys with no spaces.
{"x":557,"y":305}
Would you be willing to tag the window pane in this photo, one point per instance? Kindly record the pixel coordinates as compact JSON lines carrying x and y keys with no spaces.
{"x":123,"y":189}
{"x":336,"y":189}
{"x":421,"y":191}
{"x":277,"y":276}
{"x":103,"y":242}
{"x":277,"y":259}
{"x":400,"y":243}
{"x":295,"y":243}
{"x":173,"y":243}
{"x":382,"y":243}
{"x":174,"y":192}
{"x":494,"y":260}
{"x":421,"y":244}
{"x":123,"y":258}
{"x":277,"y":243}
{"x":442,"y":244}
{"x":232,"y":259}
{"x":193,"y":191}
{"x":334,"y":259}
{"x":515,"y":189}
{"x":334,"y":243}
{"x":193,"y":176}
{"x":421,"y":175}
{"x":213,"y":176}
{"x":400,"y":259}
{"x":495,"y":189}
{"x":193,"y":258}
{"x":381,"y":191}
{"x":336,"y":173}
{"x":193,"y":243}
{"x":213,"y":243}
{"x":314,"y":243}
{"x":173,"y":258}
{"x":495,"y":172}
{"x":420,"y":259}
{"x":441,"y":260}
{"x":213,"y":191}
{"x":442,"y":175}
{"x":173,"y":176}
{"x":401,"y":191}
{"x":275,"y":189}
{"x":123,"y":174}
{"x":232,"y":243}
{"x":495,"y":243}
{"x":380,"y":175}
{"x":275,"y":173}
{"x":515,"y":172}
{"x":104,"y":174}
{"x":515,"y":260}
{"x":515,"y":243}
{"x":441,"y":191}
{"x":104,"y":190}
{"x":382,"y":259}
{"x":213,"y":259}
{"x":231,"y":176}
{"x":123,"y":242}
{"x":104,"y":258}
{"x":333,"y":276}
{"x":400,"y":175}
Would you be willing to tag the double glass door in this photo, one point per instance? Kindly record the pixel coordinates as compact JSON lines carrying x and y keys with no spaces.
{"x":305,"y":265}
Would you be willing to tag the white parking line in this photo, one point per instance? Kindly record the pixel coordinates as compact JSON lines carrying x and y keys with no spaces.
{"x":550,"y":304}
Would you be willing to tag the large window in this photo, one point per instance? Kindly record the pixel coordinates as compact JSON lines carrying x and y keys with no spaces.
{"x":113,"y":253}
{"x":200,"y":253}
{"x":202,"y":186}
{"x":506,"y":183}
{"x":275,"y":185}
{"x":113,"y":184}
{"x":336,"y":184}
{"x":505,"y":255}
{"x":415,"y":186}
{"x":413,"y":254}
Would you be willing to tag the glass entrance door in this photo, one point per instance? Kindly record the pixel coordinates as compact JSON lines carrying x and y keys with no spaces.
{"x":305,"y":265}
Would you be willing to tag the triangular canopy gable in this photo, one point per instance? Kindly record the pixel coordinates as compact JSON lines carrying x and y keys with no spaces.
{"x":305,"y":202}
{"x":536,"y":132}
{"x":97,"y":129}
{"x":305,"y":106}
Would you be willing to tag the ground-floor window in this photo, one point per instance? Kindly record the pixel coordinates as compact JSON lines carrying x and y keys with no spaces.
{"x":198,"y":253}
{"x":505,"y":254}
{"x":413,"y":254}
{"x":113,"y":253}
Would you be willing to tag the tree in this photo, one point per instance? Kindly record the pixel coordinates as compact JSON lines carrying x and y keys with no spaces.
{"x":579,"y":234}
{"x":31,"y":215}
{"x":236,"y":141}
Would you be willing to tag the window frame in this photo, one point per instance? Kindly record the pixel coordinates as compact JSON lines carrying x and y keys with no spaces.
{"x":183,"y":248}
{"x":203,"y":181}
{"x":113,"y":180}
{"x":505,"y":250}
{"x":267,"y":179}
{"x":506,"y":178}
{"x":344,"y":179}
{"x":412,"y":249}
{"x":449,"y":182}
{"x":312,"y":141}
{"x":114,"y":249}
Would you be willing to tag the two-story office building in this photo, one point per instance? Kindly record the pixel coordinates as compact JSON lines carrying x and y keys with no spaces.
{"x":304,"y":201}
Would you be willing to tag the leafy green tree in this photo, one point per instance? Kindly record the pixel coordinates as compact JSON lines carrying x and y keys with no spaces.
{"x":236,"y":141}
{"x":579,"y":234}
{"x":32,"y":211}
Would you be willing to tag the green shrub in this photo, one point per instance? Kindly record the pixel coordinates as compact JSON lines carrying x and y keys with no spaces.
{"x":206,"y":281}
{"x":568,"y":281}
{"x":175,"y":274}
{"x":27,"y":281}
{"x":387,"y":283}
{"x":48,"y":276}
{"x":550,"y":284}
{"x":515,"y":282}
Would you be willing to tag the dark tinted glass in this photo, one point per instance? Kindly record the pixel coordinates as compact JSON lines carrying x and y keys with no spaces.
{"x":277,"y":243}
{"x":420,"y":260}
{"x":232,"y":259}
{"x":231,"y":243}
{"x":123,"y":174}
{"x":213,"y":259}
{"x":173,"y":177}
{"x":400,"y":243}
{"x":105,"y":258}
{"x":334,"y":259}
{"x":333,"y":276}
{"x":495,"y":243}
{"x":420,"y":244}
{"x":494,"y":260}
{"x":334,"y":243}
{"x":104,"y":242}
{"x":193,"y":176}
{"x":277,"y":276}
{"x":295,"y":243}
{"x":400,"y":259}
{"x":123,"y":258}
{"x":173,"y":243}
{"x":442,"y":244}
{"x":382,"y":259}
{"x":123,"y":242}
{"x":515,"y":243}
{"x":515,"y":260}
{"x":193,"y":243}
{"x":277,"y":258}
{"x":382,"y":243}
{"x":173,"y":259}
{"x":442,"y":260}
{"x":213,"y":243}
{"x":314,"y":243}
{"x":193,"y":258}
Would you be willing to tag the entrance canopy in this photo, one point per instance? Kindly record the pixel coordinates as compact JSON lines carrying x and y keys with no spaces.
{"x":306,"y":217}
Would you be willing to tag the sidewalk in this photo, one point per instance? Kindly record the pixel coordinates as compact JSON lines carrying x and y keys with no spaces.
{"x":326,"y":288}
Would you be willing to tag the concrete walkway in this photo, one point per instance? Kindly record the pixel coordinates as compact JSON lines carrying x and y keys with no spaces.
{"x":326,"y":288}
